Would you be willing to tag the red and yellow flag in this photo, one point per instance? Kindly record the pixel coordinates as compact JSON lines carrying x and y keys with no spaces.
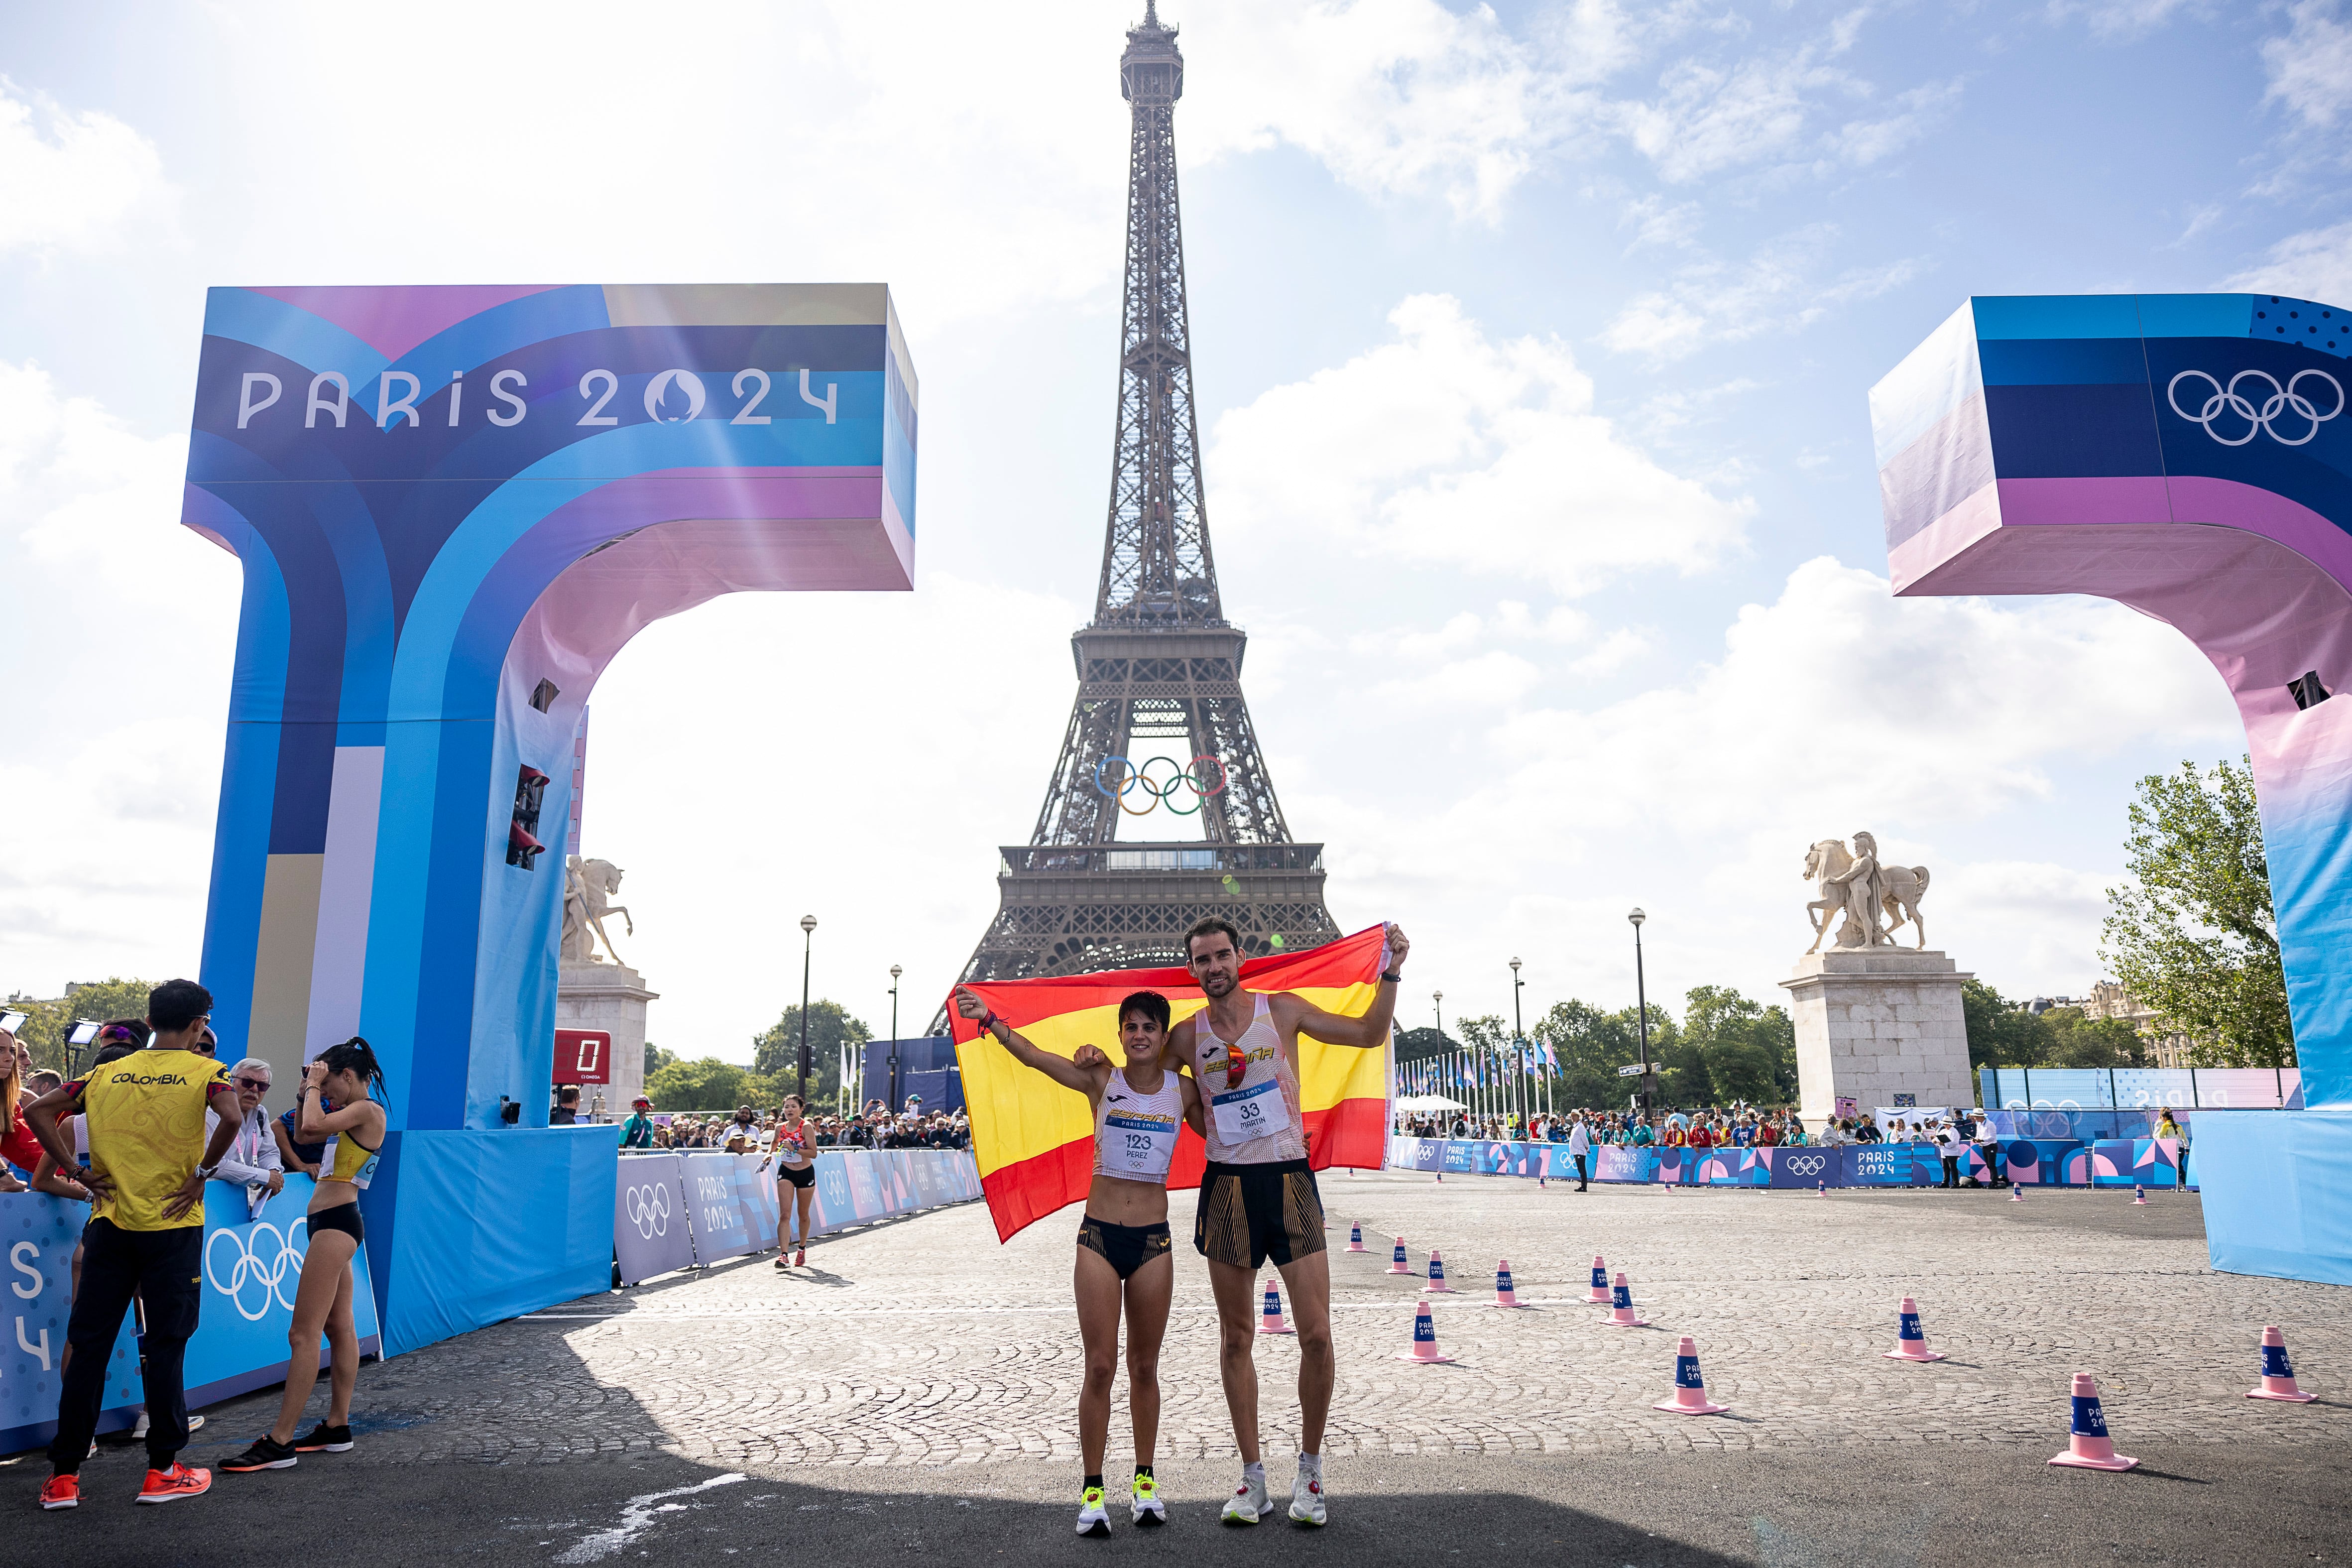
{"x":1034,"y":1139}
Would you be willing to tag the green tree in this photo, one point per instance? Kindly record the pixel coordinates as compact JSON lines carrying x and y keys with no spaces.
{"x":2191,"y":934}
{"x":1592,"y":1044}
{"x":657,"y":1058}
{"x":2000,"y":1034}
{"x":707,"y":1084}
{"x":2078,"y":1041}
{"x":1420,"y":1045}
{"x":776,"y":1054}
{"x":46,"y":1023}
{"x":1746,"y":1051}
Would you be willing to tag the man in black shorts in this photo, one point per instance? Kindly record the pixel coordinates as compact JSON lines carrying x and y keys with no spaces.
{"x":1258,"y":1198}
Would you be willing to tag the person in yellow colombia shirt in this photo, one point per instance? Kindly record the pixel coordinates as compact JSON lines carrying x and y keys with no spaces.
{"x":148,"y":1164}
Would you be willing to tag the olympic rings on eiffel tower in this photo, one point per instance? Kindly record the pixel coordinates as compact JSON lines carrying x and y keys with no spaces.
{"x":1157,"y":792}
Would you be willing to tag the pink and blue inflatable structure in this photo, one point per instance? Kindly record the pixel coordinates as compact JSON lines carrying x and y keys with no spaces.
{"x":454,"y":506}
{"x":2190,"y":456}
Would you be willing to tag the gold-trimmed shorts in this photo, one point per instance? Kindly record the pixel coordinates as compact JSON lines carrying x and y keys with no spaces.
{"x":1248,"y":1214}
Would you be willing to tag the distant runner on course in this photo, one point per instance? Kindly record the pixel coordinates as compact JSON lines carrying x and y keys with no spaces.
{"x":1258,"y":1198}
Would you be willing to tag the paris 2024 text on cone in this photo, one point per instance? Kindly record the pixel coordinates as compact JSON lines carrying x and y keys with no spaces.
{"x":2088,"y":1443}
{"x":1690,"y":1389}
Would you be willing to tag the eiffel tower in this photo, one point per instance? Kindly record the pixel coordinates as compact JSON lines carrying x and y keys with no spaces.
{"x":1160,"y":663}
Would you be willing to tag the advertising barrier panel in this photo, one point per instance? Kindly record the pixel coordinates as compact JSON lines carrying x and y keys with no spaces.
{"x":2141,"y":1162}
{"x":650,"y":1234}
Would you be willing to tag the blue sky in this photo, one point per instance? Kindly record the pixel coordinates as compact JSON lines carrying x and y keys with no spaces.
{"x":1533,"y":347}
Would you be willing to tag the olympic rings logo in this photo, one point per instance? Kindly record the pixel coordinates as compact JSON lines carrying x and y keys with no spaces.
{"x":1127,"y":778}
{"x":1805,"y":1164}
{"x":278,"y":1274}
{"x":648,"y":1209}
{"x":2282,"y":400}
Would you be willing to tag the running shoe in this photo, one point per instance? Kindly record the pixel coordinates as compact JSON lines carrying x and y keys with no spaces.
{"x":1093,"y":1520}
{"x":265,"y":1455}
{"x":325,"y":1439}
{"x":784,"y":1259}
{"x":61,"y":1491}
{"x":800,"y":1259}
{"x":1144,"y":1507}
{"x":1249,"y":1504}
{"x":1306,"y":1501}
{"x":178,"y":1482}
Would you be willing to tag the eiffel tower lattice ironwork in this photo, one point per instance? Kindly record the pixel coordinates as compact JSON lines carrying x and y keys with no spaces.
{"x":1160,"y":663}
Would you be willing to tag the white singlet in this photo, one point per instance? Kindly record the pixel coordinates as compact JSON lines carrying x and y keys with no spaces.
{"x":1135,"y":1133}
{"x":1256,"y":1121}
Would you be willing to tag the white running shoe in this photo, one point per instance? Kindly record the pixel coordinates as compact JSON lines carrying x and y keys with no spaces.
{"x":1249,"y":1504}
{"x":1093,"y":1520}
{"x":1306,"y":1501}
{"x":1145,"y":1509}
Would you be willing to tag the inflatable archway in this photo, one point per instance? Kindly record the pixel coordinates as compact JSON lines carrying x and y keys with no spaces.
{"x":2190,"y":456}
{"x":454,"y":506}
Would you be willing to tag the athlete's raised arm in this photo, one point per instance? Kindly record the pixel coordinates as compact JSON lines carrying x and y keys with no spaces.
{"x":1087,"y":1079}
{"x":1294,"y":1016}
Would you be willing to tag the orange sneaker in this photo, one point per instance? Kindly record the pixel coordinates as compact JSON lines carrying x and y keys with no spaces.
{"x":800,"y":1259}
{"x":61,"y":1491}
{"x":171,"y":1485}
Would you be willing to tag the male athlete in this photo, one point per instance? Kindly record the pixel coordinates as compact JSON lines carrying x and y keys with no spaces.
{"x":1258,"y":1198}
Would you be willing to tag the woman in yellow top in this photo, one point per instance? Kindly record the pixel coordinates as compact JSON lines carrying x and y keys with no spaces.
{"x":353,"y":1133}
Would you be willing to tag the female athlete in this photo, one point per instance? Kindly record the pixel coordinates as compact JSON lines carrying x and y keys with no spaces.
{"x":796,"y":1179}
{"x":353,"y":1133}
{"x":1123,"y":1243}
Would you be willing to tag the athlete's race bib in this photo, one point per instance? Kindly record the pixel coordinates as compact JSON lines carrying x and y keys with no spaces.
{"x":1246,"y":1114}
{"x":1138,"y":1148}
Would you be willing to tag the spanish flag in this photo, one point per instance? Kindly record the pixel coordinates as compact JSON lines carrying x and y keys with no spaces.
{"x":1034,"y":1139}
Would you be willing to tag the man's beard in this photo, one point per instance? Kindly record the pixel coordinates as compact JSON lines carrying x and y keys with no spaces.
{"x":1218,"y":983}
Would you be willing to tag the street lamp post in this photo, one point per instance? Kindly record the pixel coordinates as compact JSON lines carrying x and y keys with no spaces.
{"x":895,"y":972}
{"x":808,"y":941}
{"x":1519,"y":1043}
{"x":1437,"y":1005}
{"x":1641,"y":1006}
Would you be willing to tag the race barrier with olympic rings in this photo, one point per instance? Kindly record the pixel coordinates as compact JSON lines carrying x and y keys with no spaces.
{"x":674,"y":1209}
{"x":1127,"y":778}
{"x":251,"y":1267}
{"x":2030,"y":1162}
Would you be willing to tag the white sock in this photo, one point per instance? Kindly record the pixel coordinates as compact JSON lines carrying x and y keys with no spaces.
{"x":1310,"y":1466}
{"x":1253,"y":1475}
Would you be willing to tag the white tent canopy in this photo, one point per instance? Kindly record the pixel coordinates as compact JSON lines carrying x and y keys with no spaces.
{"x":1413,"y":1104}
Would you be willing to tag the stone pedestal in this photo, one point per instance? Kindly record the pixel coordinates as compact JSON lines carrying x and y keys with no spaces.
{"x":1873,"y":1024}
{"x":611,"y":997}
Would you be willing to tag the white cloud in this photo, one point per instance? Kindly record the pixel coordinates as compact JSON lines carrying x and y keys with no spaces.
{"x":2310,"y":67}
{"x":72,"y":182}
{"x":1863,"y":141}
{"x":2123,"y":20}
{"x":1775,"y":290}
{"x":1446,"y":446}
{"x":2314,"y":265}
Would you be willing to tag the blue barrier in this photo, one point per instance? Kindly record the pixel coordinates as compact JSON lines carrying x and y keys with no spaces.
{"x":251,"y":1266}
{"x":2108,"y":1162}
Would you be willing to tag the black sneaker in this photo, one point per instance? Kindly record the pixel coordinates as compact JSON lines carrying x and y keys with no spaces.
{"x":264,"y":1454}
{"x":325,"y":1439}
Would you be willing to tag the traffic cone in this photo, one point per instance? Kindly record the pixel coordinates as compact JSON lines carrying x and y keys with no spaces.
{"x":2016,"y":1194}
{"x":1504,"y":1295}
{"x":2088,"y":1446}
{"x":1437,"y":1285}
{"x":1397,"y":1265}
{"x":1356,"y":1237}
{"x":2139,"y":1196}
{"x":2278,"y":1372}
{"x":1910,"y":1344}
{"x":1270,"y":1320}
{"x":1621,"y":1306}
{"x":1600,"y":1293}
{"x":1825,"y":1190}
{"x":1690,"y":1392}
{"x":1424,"y":1338}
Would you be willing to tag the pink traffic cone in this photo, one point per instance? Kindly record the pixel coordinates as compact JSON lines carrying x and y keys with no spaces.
{"x":1356,"y":1237}
{"x":2139,"y":1197}
{"x":1424,"y":1338}
{"x":1397,"y":1265}
{"x":1621,"y":1306}
{"x":2088,"y":1446}
{"x":1437,"y":1285}
{"x":1504,"y":1295}
{"x":1910,"y":1344}
{"x":2016,"y":1194}
{"x":1599,"y":1296}
{"x":1690,"y":1391}
{"x":1270,"y":1320}
{"x":2278,"y":1372}
{"x":1824,"y":1192}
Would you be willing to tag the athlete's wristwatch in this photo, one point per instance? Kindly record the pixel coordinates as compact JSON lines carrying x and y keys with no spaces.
{"x":1392,"y":978}
{"x":207,"y":1172}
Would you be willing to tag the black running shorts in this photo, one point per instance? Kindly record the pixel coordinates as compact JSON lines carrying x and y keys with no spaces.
{"x":1126,"y":1247}
{"x":1248,"y":1214}
{"x":798,"y":1176}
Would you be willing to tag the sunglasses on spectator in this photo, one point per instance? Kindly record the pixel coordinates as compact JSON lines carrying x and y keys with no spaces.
{"x":259,"y":1085}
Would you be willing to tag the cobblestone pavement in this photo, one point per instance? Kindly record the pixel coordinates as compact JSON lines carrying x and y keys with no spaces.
{"x":923,"y":1343}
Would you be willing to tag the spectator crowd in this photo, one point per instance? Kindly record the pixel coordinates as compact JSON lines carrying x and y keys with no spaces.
{"x":752,"y":1132}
